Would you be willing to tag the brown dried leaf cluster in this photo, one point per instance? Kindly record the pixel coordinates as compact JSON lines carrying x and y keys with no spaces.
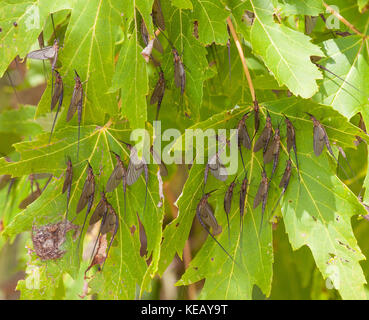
{"x":48,"y":239}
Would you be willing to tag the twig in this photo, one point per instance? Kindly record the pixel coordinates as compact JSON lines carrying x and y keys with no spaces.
{"x":243,"y":60}
{"x":343,"y":20}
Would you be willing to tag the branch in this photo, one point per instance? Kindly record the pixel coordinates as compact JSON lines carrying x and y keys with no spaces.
{"x":343,"y":20}
{"x":243,"y":60}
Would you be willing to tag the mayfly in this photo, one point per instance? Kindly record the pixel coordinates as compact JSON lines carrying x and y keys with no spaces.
{"x":243,"y":135}
{"x":145,"y":37}
{"x":67,"y":186}
{"x":272,"y":152}
{"x":284,"y":182}
{"x":158,"y":93}
{"x":46,"y":53}
{"x":291,"y":141}
{"x":157,"y":15}
{"x":262,"y":195}
{"x":57,"y":97}
{"x":256,"y":117}
{"x":135,"y":168}
{"x":314,"y":60}
{"x":179,"y":69}
{"x":118,"y":175}
{"x":362,"y":126}
{"x":31,"y":198}
{"x":229,"y":53}
{"x":106,"y":212}
{"x":243,"y":193}
{"x":76,"y":103}
{"x":205,"y":215}
{"x":34,"y":194}
{"x":320,"y":139}
{"x":87,"y":197}
{"x":263,"y":141}
{"x":196,"y":29}
{"x":217,"y":169}
{"x":228,"y":203}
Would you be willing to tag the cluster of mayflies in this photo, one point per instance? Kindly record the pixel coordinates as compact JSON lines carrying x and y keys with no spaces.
{"x":269,"y":141}
{"x":57,"y":87}
{"x":126,"y":175}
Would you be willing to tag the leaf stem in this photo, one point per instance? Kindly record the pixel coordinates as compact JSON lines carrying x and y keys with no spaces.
{"x":343,"y":20}
{"x":243,"y":59}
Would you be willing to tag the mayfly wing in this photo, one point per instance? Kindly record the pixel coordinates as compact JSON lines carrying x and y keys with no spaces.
{"x":228,"y":203}
{"x":77,"y":97}
{"x":116,"y":176}
{"x":276,"y":150}
{"x":179,"y":71}
{"x":256,"y":116}
{"x":28,"y":200}
{"x":67,"y":186}
{"x":329,"y":148}
{"x":229,"y":53}
{"x":100,"y":210}
{"x":269,"y":154}
{"x":88,"y":190}
{"x":263,"y":141}
{"x":178,"y":68}
{"x":43,"y":54}
{"x":158,"y":93}
{"x":112,"y":224}
{"x":145,"y":37}
{"x":263,"y":186}
{"x":31,"y":198}
{"x":243,"y":135}
{"x":228,"y":198}
{"x":318,"y":136}
{"x":286,"y":175}
{"x":284,"y":182}
{"x":40,"y":40}
{"x":204,"y":208}
{"x":135,"y":167}
{"x":217,"y":169}
{"x":58,"y":91}
{"x":146,"y":172}
{"x":144,"y":33}
{"x":243,"y":193}
{"x":291,"y":139}
{"x":76,"y":103}
{"x":157,"y":15}
{"x":208,"y":217}
{"x":68,"y":176}
{"x":265,"y":198}
{"x":57,"y":97}
{"x":87,"y":197}
{"x":196,"y":29}
{"x":109,"y":222}
{"x":318,"y":140}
